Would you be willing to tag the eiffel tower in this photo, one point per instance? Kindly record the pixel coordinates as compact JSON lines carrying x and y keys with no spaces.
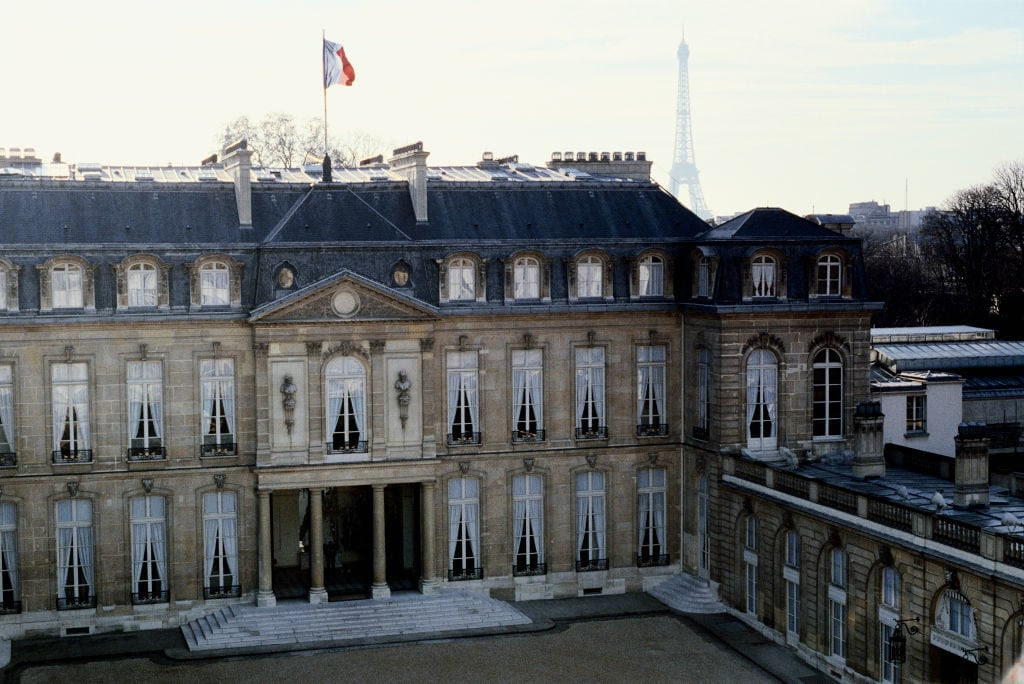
{"x":684,"y":169}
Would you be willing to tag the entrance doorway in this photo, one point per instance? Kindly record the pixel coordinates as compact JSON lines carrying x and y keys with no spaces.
{"x":402,"y":536}
{"x":950,"y":668}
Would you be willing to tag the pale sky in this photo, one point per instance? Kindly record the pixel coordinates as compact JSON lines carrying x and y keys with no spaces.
{"x":807,"y":105}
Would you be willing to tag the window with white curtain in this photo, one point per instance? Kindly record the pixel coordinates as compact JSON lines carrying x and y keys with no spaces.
{"x":829,"y":276}
{"x":528,"y":525}
{"x":763,"y":272}
{"x":651,"y":540}
{"x":589,"y":277}
{"x":590,"y":420}
{"x":527,"y":395}
{"x":837,"y":604}
{"x":591,"y":552}
{"x":75,"y":578}
{"x":463,"y":418}
{"x":762,"y":393}
{"x":3,"y":288}
{"x":461,"y":280}
{"x":66,"y":286}
{"x":220,"y":541}
{"x":464,"y":529}
{"x":214,"y":277}
{"x":8,"y":443}
{"x":346,"y":404}
{"x":142,"y":285}
{"x":149,"y":549}
{"x":526,"y":278}
{"x":954,"y":614}
{"x":791,"y":576}
{"x":145,"y":408}
{"x":828,"y":394}
{"x":70,"y":390}
{"x":651,"y":276}
{"x":750,"y":562}
{"x":217,"y":379}
{"x":703,"y":393}
{"x":10,"y":592}
{"x":888,"y":614}
{"x":650,"y":391}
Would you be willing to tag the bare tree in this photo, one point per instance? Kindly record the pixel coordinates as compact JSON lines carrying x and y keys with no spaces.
{"x":279,"y":140}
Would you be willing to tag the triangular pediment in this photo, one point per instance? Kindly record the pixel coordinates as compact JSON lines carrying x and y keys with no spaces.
{"x":344,"y":296}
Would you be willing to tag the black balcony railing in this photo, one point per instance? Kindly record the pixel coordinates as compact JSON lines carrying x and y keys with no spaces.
{"x":659,"y":430}
{"x":341,"y":447}
{"x":592,"y":565}
{"x":529,"y":569}
{"x":461,"y":438}
{"x":152,"y":453}
{"x":144,"y":597}
{"x":10,"y":607}
{"x":650,"y":561}
{"x":75,"y":603}
{"x":222,"y":449}
{"x":470,"y":574}
{"x":600,"y":432}
{"x":225,"y":591}
{"x":8,"y":459}
{"x":72,"y":456}
{"x":527,"y":436}
{"x":700,"y":433}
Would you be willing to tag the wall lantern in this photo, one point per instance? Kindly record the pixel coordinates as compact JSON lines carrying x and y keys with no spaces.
{"x":898,"y":642}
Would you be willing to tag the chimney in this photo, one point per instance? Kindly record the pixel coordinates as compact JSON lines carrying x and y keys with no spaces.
{"x":411,"y":161}
{"x":614,"y":164}
{"x":971,"y":479}
{"x":868,"y":457}
{"x":237,"y":158}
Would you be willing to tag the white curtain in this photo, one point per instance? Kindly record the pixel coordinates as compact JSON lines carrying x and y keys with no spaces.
{"x":136,"y":401}
{"x":597,"y":387}
{"x":770,"y":392}
{"x":471,"y":512}
{"x":156,"y":406}
{"x":536,"y":514}
{"x":9,"y":543}
{"x":753,"y":385}
{"x":84,"y":539}
{"x":157,"y":538}
{"x":658,"y":507}
{"x":210,"y":528}
{"x":229,"y":537}
{"x":7,"y":439}
{"x":335,"y":400}
{"x":357,"y":394}
{"x":643,"y":513}
{"x":582,"y":384}
{"x":470,"y":387}
{"x":597,"y":504}
{"x":642,"y":385}
{"x":61,"y":412}
{"x":658,"y":385}
{"x":454,"y":518}
{"x":227,"y":395}
{"x":65,"y":540}
{"x":453,"y":397}
{"x":582,"y":516}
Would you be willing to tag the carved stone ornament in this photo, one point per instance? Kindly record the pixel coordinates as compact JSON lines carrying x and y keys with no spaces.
{"x":427,"y":344}
{"x":528,"y":464}
{"x":403,"y":397}
{"x":787,"y":519}
{"x":147,"y":484}
{"x":73,"y":488}
{"x":377,"y":346}
{"x":218,"y":480}
{"x":464,"y":467}
{"x":591,"y":459}
{"x":834,"y":538}
{"x":288,"y":401}
{"x":652,"y":457}
{"x":700,"y":463}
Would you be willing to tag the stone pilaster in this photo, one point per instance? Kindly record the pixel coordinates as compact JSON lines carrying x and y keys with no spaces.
{"x":428,"y":580}
{"x":380,"y":589}
{"x":317,"y":592}
{"x":265,"y":596}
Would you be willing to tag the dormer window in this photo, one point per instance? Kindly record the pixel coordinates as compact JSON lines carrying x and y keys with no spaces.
{"x":588,"y":278}
{"x":216,"y":281}
{"x":142,"y":285}
{"x":8,"y":286}
{"x":829,"y":277}
{"x":65,"y":282}
{"x":3,"y":289}
{"x":213,"y":283}
{"x":462,"y":278}
{"x":526,"y":278}
{"x":763,"y":273}
{"x":704,"y":277}
{"x":66,"y":286}
{"x":652,"y":276}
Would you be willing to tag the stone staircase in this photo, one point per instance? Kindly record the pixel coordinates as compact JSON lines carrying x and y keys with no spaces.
{"x":298,"y":625}
{"x":688,"y":594}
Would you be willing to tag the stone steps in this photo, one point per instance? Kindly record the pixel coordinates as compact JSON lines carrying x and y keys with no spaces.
{"x":688,"y":594}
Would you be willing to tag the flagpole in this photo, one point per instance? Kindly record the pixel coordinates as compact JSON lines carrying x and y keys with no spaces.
{"x":324,"y":59}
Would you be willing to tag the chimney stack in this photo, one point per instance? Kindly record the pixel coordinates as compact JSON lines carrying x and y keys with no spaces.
{"x":411,"y":161}
{"x":971,"y":479}
{"x":868,"y":457}
{"x":237,"y":159}
{"x":632,"y":166}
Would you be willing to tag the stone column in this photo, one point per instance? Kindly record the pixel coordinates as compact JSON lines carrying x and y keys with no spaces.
{"x":428,"y":581}
{"x":265,"y":596}
{"x":380,"y":589}
{"x":317,"y":592}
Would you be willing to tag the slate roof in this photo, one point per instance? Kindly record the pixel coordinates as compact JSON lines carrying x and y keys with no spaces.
{"x":771,"y":222}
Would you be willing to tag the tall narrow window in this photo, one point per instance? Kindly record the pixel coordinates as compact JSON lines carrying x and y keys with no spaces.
{"x":213,"y":284}
{"x":220,"y":578}
{"x":346,"y":404}
{"x":762,"y":270}
{"x":791,"y":576}
{"x":75,"y":582}
{"x":761,"y":400}
{"x":589,"y":277}
{"x":591,"y":553}
{"x":528,"y":525}
{"x":703,"y":427}
{"x":526,"y":278}
{"x":590,"y":422}
{"x":145,"y":409}
{"x":917,"y":413}
{"x":8,"y":444}
{"x":142,"y":285}
{"x":704,"y":277}
{"x":837,"y":604}
{"x":651,"y":542}
{"x":70,"y":389}
{"x":149,"y":550}
{"x":829,"y":276}
{"x":217,"y":377}
{"x":3,"y":288}
{"x":888,"y":614}
{"x":464,"y":529}
{"x":828,"y":394}
{"x":462,"y":398}
{"x":461,"y":280}
{"x":527,"y":395}
{"x":750,"y":562}
{"x":66,"y":286}
{"x":650,"y":391}
{"x":703,"y":537}
{"x":9,"y":589}
{"x":652,"y":276}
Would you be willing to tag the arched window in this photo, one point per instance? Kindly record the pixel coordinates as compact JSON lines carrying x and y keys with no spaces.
{"x":829,"y":276}
{"x":828,"y":394}
{"x":837,"y":604}
{"x":526,"y":278}
{"x":750,"y":562}
{"x":791,"y":576}
{"x":763,"y":273}
{"x":213,"y":284}
{"x":888,"y":614}
{"x":589,"y":277}
{"x":461,"y":280}
{"x":142,"y":286}
{"x":346,"y":405}
{"x":464,"y":529}
{"x":762,"y":396}
{"x":954,"y":615}
{"x":652,"y":276}
{"x":66,"y":286}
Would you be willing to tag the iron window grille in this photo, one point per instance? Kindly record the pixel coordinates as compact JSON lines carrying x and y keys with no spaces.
{"x":476,"y":573}
{"x":222,"y":449}
{"x":652,"y":561}
{"x":72,"y":456}
{"x":69,"y":603}
{"x":529,"y":569}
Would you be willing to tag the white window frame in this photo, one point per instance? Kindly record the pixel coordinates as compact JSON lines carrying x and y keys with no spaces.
{"x":704,"y":277}
{"x":3,"y":288}
{"x":890,"y":588}
{"x":888,"y":614}
{"x":704,"y":392}
{"x":70,"y":408}
{"x":589,"y":277}
{"x":889,"y":671}
{"x":590,"y":405}
{"x":750,"y":562}
{"x":917,"y":413}
{"x":345,"y":378}
{"x":461,"y":280}
{"x":142,"y":283}
{"x":464,"y":529}
{"x":651,"y":409}
{"x":651,"y":276}
{"x":827,"y":396}
{"x":221,"y":573}
{"x":215,"y":284}
{"x":527,"y":395}
{"x":150,"y":582}
{"x":652,"y":544}
{"x":762,"y":400}
{"x":526,"y":278}
{"x":791,"y":575}
{"x":829,"y":272}
{"x":528,"y":524}
{"x":10,"y":590}
{"x":8,"y":433}
{"x":591,"y":549}
{"x":764,"y":273}
{"x":144,"y":382}
{"x":76,"y":583}
{"x":838,"y":632}
{"x":67,"y":286}
{"x":463,"y":376}
{"x":217,"y":383}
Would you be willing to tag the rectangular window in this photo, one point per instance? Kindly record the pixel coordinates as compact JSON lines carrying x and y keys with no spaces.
{"x":527,"y":395}
{"x":145,"y":410}
{"x":528,"y":525}
{"x":890,"y":671}
{"x":917,"y":418}
{"x":70,"y":389}
{"x":217,"y":379}
{"x":220,"y":578}
{"x":149,"y":552}
{"x":793,"y":549}
{"x":651,"y":541}
{"x":652,"y":277}
{"x":213,"y":284}
{"x":9,"y":590}
{"x":66,"y":287}
{"x":589,"y":278}
{"x":464,"y":529}
{"x":751,"y":536}
{"x":75,"y":581}
{"x":462,"y":398}
{"x":837,"y":630}
{"x":7,"y":437}
{"x":751,"y":569}
{"x":704,"y":277}
{"x":591,"y":553}
{"x":890,"y":588}
{"x":3,"y":289}
{"x":142,"y":285}
{"x":650,"y":391}
{"x":703,"y":394}
{"x":793,"y":609}
{"x":590,"y":421}
{"x":839,"y":568}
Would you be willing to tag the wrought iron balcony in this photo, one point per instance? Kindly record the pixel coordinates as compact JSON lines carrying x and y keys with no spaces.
{"x":225,"y":591}
{"x":476,"y":573}
{"x":222,"y":449}
{"x":10,"y":607}
{"x":342,"y":447}
{"x":649,"y":430}
{"x":151,"y":453}
{"x":592,"y":565}
{"x":8,"y":459}
{"x":72,"y":456}
{"x":144,"y":597}
{"x":73,"y":603}
{"x":648,"y":561}
{"x":600,"y":432}
{"x":529,"y":569}
{"x":462,"y":438}
{"x":527,"y":436}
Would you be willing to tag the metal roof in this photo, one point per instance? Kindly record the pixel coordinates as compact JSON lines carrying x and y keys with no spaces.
{"x":930,"y":333}
{"x":950,"y":355}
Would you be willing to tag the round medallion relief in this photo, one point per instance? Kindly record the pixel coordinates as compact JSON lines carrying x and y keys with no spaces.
{"x":345,"y":303}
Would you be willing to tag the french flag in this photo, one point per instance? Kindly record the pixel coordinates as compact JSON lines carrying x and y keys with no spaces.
{"x":337,"y":68}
